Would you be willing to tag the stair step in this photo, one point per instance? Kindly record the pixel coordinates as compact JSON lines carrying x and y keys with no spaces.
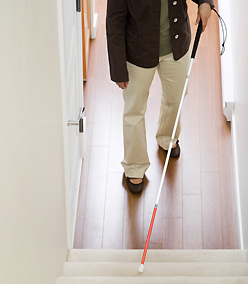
{"x":154,"y":269}
{"x":80,"y":255}
{"x":152,"y":280}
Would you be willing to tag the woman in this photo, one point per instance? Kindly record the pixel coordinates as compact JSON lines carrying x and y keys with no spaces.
{"x":142,"y":36}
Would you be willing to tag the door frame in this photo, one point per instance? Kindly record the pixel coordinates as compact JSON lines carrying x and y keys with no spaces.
{"x":69,"y":223}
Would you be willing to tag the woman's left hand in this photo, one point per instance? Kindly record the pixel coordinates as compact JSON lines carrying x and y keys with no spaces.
{"x":204,"y":13}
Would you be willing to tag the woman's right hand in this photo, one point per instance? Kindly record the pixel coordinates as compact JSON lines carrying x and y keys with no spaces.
{"x":122,"y":85}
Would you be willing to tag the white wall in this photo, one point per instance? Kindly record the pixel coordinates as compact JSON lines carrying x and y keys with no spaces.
{"x":239,"y":43}
{"x":33,"y":241}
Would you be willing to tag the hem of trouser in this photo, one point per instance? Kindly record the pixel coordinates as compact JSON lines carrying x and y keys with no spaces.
{"x":165,"y":144}
{"x":135,"y":171}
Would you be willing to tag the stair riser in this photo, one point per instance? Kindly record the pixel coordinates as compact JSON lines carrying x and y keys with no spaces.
{"x":155,"y":269}
{"x":152,"y":280}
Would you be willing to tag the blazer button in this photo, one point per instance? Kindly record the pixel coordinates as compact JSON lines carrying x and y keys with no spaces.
{"x":174,"y":3}
{"x":175,"y":20}
{"x":176,"y":36}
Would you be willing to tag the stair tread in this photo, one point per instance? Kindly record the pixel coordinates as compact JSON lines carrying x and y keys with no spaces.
{"x":80,"y":255}
{"x":155,"y":269}
{"x":152,"y":280}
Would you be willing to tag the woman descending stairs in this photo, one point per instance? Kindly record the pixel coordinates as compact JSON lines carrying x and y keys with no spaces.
{"x":161,"y":266}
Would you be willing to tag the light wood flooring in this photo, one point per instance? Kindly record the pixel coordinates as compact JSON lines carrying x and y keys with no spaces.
{"x":197,"y":209}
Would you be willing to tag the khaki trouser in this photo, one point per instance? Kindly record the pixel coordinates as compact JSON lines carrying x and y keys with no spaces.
{"x":172,"y":75}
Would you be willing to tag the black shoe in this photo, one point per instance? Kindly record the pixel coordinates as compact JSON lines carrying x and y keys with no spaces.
{"x":134,"y":188}
{"x":175,"y":152}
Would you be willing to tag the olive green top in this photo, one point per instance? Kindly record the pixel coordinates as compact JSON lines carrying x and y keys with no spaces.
{"x":165,"y":44}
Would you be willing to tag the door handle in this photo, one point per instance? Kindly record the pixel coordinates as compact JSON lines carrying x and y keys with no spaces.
{"x":80,"y":122}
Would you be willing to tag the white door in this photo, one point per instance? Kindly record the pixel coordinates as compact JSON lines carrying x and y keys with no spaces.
{"x":74,"y":102}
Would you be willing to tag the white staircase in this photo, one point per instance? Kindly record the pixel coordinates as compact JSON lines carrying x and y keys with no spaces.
{"x":162,"y":266}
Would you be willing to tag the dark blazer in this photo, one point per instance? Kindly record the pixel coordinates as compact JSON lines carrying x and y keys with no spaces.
{"x":133,"y":32}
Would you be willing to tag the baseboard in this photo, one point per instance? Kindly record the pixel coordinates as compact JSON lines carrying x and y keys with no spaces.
{"x":76,"y":201}
{"x":94,"y":26}
{"x":236,"y":179}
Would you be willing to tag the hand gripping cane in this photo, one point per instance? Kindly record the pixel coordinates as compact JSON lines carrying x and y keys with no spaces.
{"x":197,"y":38}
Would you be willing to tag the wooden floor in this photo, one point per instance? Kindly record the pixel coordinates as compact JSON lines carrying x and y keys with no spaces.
{"x":197,"y":206}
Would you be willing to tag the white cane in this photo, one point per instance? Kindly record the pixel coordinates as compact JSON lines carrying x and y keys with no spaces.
{"x":196,"y":42}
